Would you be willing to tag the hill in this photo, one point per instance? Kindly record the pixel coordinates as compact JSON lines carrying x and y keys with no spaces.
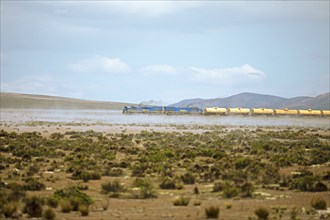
{"x":253,"y":100}
{"x":16,"y":100}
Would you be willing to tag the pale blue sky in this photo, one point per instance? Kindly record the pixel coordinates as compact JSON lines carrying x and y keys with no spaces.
{"x":166,"y":50}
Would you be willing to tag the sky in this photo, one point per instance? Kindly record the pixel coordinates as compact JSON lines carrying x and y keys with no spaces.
{"x":166,"y":51}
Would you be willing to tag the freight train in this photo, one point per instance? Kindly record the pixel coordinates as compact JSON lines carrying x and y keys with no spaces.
{"x":264,"y":111}
{"x":223,"y":111}
{"x":161,"y":110}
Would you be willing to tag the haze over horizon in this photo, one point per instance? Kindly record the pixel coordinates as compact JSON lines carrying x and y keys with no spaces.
{"x":145,"y":50}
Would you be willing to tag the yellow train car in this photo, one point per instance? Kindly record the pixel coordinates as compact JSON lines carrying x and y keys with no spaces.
{"x":310,"y":112}
{"x":215,"y":111}
{"x":286,"y":112}
{"x":325,"y":112}
{"x":242,"y":111}
{"x":262,"y":111}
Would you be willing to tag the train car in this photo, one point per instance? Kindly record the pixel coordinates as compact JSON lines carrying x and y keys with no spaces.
{"x":262,"y":111}
{"x":325,"y":112}
{"x":286,"y":112}
{"x":190,"y":110}
{"x":240,"y":111}
{"x":177,"y":110}
{"x":149,"y":109}
{"x":310,"y":112}
{"x":215,"y":111}
{"x":169,"y":110}
{"x":142,"y":109}
{"x":129,"y":109}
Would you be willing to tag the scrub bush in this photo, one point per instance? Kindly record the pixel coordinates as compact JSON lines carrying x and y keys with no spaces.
{"x":52,"y":202}
{"x":212,"y":212}
{"x":83,"y":209}
{"x":112,"y":187}
{"x":262,"y":213}
{"x":188,"y":178}
{"x":66,"y":206}
{"x":49,"y":214}
{"x":33,"y":185}
{"x":72,"y":192}
{"x":9,"y":209}
{"x":181,"y":201}
{"x":33,"y":206}
{"x":147,"y":190}
{"x":167,"y":183}
{"x":319,"y":203}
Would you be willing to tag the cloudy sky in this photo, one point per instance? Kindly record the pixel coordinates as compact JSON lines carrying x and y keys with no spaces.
{"x":165,"y":50}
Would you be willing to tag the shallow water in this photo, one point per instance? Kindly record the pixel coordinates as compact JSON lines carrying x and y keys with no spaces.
{"x":116,"y":117}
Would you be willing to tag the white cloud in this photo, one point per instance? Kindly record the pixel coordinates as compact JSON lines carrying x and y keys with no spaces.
{"x":151,"y":8}
{"x":37,"y":84}
{"x":43,"y":84}
{"x":158,"y":69}
{"x":135,"y":8}
{"x":100,"y":64}
{"x":232,"y":75}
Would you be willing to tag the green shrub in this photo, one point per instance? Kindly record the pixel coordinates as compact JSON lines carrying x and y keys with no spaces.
{"x":83,"y":209}
{"x":17,"y":192}
{"x":75,"y":202}
{"x":72,"y":192}
{"x":294,"y":213}
{"x":212,"y":212}
{"x":188,"y":178}
{"x":241,"y":163}
{"x":262,"y":213}
{"x":9,"y":209}
{"x":114,"y":172}
{"x":196,"y":191}
{"x":230,"y":191}
{"x":32,"y":169}
{"x":218,"y":186}
{"x":66,"y":206}
{"x":33,"y":185}
{"x":52,"y":202}
{"x":33,"y":206}
{"x":56,"y":136}
{"x":138,"y":170}
{"x":147,"y":192}
{"x":85,"y":175}
{"x":319,"y":203}
{"x":95,"y":176}
{"x":138,"y":182}
{"x":320,"y":187}
{"x":246,"y":189}
{"x":49,"y":214}
{"x":171,"y":183}
{"x":197,"y":203}
{"x":181,"y":201}
{"x":309,"y":184}
{"x":167,"y":183}
{"x":112,"y":187}
{"x":146,"y":188}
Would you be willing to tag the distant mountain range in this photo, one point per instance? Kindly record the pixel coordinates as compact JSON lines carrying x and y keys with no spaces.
{"x":253,"y":100}
{"x":16,"y":100}
{"x":246,"y":100}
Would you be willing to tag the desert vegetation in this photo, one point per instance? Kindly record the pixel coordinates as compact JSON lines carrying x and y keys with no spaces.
{"x":86,"y":173}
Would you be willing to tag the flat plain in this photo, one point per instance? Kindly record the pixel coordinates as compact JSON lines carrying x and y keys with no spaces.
{"x":164,"y":172}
